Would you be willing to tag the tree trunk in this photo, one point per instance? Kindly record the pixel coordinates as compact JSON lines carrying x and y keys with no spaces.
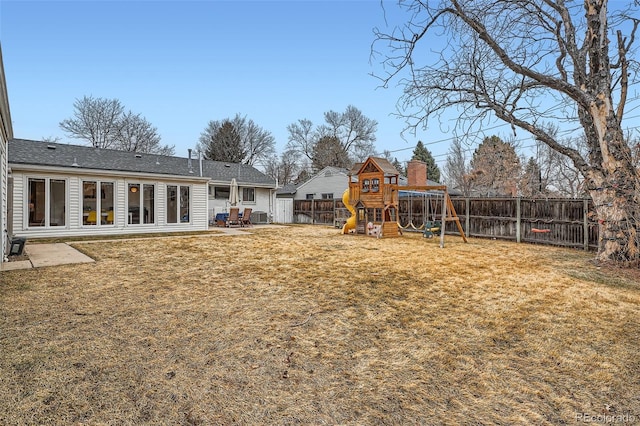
{"x":614,"y":189}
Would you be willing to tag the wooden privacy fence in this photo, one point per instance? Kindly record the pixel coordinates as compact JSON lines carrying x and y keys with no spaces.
{"x":317,"y":211}
{"x":560,"y":222}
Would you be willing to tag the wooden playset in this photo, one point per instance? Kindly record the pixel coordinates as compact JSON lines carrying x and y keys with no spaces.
{"x":373,"y":197}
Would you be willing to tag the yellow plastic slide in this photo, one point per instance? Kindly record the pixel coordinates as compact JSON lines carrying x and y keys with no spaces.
{"x":351,"y":222}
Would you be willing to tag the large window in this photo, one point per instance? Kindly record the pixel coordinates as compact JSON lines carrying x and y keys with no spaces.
{"x":178,"y":208}
{"x":248,"y":195}
{"x":47,"y":202}
{"x":97,"y":203}
{"x":141,"y":203}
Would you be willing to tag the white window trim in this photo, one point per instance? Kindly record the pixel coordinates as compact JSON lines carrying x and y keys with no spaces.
{"x":141,"y":206}
{"x":98,"y":183}
{"x":179,"y":220}
{"x":47,"y":207}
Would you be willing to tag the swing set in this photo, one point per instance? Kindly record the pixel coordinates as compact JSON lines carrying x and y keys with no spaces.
{"x":426,"y":206}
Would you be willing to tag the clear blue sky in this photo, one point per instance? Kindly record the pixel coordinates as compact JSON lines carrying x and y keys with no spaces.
{"x":182,"y":64}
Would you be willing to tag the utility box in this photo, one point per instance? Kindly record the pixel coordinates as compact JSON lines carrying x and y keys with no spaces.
{"x":17,"y":246}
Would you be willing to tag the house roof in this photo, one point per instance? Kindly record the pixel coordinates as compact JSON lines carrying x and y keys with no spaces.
{"x":76,"y":157}
{"x":381,"y":163}
{"x":288,"y":189}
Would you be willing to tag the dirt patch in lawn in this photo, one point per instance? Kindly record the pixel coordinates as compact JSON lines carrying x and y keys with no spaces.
{"x":303,"y":325}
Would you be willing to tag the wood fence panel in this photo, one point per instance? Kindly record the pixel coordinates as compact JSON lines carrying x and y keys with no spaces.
{"x":563,"y":222}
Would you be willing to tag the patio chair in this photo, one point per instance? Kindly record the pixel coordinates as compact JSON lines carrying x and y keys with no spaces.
{"x":234,"y":217}
{"x":92,"y":218}
{"x":245,"y":220}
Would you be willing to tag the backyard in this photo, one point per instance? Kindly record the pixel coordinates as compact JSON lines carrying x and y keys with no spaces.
{"x":302,"y":325}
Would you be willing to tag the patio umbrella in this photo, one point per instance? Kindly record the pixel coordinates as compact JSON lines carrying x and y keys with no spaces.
{"x":234,"y":198}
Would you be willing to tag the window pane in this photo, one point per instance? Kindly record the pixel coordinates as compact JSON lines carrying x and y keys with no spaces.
{"x":222,"y":192}
{"x":149,"y":203}
{"x":37,"y":203}
{"x":172,"y":207}
{"x":134,"y":203}
{"x":375,"y":185}
{"x":184,"y":204}
{"x":365,"y":185}
{"x":248,"y":194}
{"x":106,"y":202}
{"x":89,"y":203}
{"x":57,"y":205}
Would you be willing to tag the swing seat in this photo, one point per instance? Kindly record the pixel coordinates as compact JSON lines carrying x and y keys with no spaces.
{"x":431,"y":228}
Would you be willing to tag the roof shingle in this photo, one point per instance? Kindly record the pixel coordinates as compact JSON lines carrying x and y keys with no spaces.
{"x":27,"y":152}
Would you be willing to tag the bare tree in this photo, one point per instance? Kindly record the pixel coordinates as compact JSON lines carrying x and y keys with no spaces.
{"x":558,"y":173}
{"x":134,"y":133}
{"x":531,"y":184}
{"x":52,"y":139}
{"x":284,"y":169}
{"x":457,"y":170}
{"x":104,"y":124}
{"x":508,"y":59}
{"x":95,"y":120}
{"x":354,"y":131}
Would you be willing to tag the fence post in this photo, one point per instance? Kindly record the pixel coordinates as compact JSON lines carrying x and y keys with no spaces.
{"x":585,"y":223}
{"x":518,"y":221}
{"x":467,"y":221}
{"x":313,"y":211}
{"x":443,"y":219}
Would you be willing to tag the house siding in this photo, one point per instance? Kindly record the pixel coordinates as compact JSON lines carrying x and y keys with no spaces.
{"x":263,"y":202}
{"x":6,"y":133}
{"x":73,"y":219}
{"x":4,"y":202}
{"x":333,"y":183}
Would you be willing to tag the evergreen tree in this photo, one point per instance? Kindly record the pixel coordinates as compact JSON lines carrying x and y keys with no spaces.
{"x":423,"y":154}
{"x":237,"y":140}
{"x":495,"y":168}
{"x":224,"y":144}
{"x":328,"y":151}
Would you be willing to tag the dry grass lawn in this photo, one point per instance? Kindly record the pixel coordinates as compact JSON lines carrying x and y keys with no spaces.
{"x":303,"y":325}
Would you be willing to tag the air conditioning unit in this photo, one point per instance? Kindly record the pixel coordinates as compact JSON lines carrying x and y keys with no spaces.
{"x":259,"y":217}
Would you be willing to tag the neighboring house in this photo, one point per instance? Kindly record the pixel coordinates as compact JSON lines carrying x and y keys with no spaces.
{"x":328,"y":183}
{"x":64,"y":190}
{"x":6,"y":133}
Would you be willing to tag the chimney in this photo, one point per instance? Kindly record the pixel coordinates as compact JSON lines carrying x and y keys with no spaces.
{"x":417,"y":173}
{"x":189,"y":163}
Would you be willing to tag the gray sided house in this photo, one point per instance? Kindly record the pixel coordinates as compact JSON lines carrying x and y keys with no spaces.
{"x":328,"y":183}
{"x":65,"y":190}
{"x":6,"y":133}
